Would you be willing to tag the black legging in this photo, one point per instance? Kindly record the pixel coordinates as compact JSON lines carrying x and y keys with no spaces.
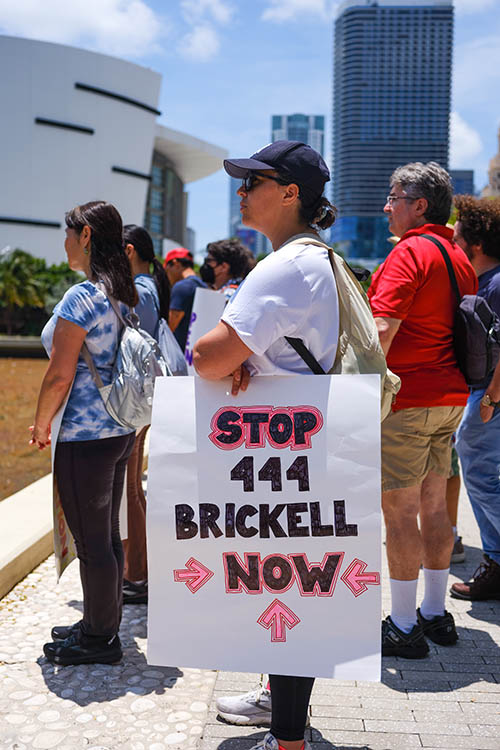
{"x":90,"y":476}
{"x":290,"y":700}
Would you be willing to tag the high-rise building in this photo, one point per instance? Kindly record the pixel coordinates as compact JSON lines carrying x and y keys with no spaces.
{"x":391,"y":106}
{"x":309,"y":129}
{"x":462,"y":181}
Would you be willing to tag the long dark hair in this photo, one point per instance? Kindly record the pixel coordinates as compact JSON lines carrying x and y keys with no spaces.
{"x":143,"y":245}
{"x":108,"y":261}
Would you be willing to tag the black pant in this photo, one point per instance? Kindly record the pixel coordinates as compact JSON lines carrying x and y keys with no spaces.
{"x":90,"y":476}
{"x":290,"y":700}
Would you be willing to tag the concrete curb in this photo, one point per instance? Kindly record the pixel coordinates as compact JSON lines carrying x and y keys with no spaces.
{"x":25,"y":532}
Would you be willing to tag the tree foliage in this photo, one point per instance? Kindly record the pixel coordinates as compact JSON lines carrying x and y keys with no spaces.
{"x":29,"y":289}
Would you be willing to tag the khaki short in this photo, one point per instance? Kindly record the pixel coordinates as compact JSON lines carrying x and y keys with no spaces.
{"x":416,"y":441}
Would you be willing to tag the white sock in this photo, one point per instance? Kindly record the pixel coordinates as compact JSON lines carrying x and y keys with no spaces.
{"x":455,"y":533}
{"x":436,"y":584}
{"x":404,"y":604}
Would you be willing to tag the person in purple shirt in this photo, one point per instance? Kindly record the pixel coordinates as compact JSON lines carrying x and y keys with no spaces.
{"x":477,"y":231}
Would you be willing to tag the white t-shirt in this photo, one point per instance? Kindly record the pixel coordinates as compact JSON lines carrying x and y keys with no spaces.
{"x":293,"y":293}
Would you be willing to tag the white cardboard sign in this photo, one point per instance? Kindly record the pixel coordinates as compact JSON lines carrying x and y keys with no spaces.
{"x":264,"y":526}
{"x":208,"y":307}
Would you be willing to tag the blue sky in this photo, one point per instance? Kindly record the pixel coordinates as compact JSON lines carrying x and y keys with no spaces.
{"x":228,"y":65}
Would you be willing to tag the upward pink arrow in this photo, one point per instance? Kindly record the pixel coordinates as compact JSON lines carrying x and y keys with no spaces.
{"x":194,"y":576}
{"x":357,"y":580}
{"x":277,"y":617}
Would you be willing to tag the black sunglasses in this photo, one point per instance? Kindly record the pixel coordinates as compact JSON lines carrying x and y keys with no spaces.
{"x":252,"y":179}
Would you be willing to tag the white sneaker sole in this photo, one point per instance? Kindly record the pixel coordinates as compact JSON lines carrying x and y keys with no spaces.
{"x":256,"y":720}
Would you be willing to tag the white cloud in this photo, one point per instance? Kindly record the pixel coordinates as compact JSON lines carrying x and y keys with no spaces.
{"x":474,"y":6}
{"x":476,"y":75}
{"x":197,"y":10}
{"x":465,"y":143}
{"x":200,"y":44}
{"x":288,"y":10}
{"x":116,"y":27}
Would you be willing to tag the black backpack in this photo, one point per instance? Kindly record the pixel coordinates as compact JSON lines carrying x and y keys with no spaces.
{"x":476,"y":330}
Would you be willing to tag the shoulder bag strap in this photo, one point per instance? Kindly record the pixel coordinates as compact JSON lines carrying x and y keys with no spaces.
{"x":449,"y":265}
{"x":87,"y":357}
{"x":91,"y":365}
{"x":306,"y":355}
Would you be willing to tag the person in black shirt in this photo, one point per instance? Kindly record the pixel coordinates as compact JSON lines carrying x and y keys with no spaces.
{"x":179,"y":267}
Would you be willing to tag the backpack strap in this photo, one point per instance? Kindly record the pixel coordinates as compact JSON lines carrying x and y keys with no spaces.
{"x":306,"y":355}
{"x":449,"y":265}
{"x":89,"y":361}
{"x":87,"y":357}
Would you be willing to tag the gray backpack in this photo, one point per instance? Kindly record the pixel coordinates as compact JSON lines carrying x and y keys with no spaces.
{"x":129,"y":396}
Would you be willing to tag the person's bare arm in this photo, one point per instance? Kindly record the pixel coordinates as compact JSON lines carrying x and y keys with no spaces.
{"x":493,"y":391}
{"x":220,"y":353}
{"x":387,"y":329}
{"x":66,"y":345}
{"x":174,"y":318}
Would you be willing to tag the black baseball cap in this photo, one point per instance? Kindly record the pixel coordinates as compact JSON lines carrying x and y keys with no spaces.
{"x":292,"y":159}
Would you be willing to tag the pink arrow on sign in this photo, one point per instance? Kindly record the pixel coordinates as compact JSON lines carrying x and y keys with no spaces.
{"x":356,"y":578}
{"x":195,"y":575}
{"x":277,"y":617}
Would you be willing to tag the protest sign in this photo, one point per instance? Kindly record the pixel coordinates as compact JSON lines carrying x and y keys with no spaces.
{"x":208,"y":307}
{"x":264,"y":526}
{"x":64,"y":544}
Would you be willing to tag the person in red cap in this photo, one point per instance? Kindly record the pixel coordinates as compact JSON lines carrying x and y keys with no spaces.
{"x":179,"y":268}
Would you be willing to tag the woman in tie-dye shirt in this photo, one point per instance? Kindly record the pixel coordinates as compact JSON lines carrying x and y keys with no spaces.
{"x":92,"y":449}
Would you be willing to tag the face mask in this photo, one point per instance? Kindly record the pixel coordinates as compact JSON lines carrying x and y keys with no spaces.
{"x":207,"y":273}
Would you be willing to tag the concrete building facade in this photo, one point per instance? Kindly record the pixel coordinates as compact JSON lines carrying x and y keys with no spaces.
{"x":78,"y":126}
{"x":492,"y":189}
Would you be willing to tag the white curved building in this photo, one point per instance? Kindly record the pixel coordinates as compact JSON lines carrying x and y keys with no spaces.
{"x":79,"y":126}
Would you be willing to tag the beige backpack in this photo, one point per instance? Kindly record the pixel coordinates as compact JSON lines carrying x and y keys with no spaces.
{"x":358,"y":350}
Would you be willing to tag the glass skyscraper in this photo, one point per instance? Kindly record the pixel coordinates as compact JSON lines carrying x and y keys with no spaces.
{"x":391,"y":106}
{"x":309,"y":129}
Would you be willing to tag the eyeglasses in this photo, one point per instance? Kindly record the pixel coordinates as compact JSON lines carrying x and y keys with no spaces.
{"x":252,"y":180}
{"x":391,"y":198}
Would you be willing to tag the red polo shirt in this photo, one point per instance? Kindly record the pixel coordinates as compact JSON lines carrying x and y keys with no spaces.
{"x":413,"y":286}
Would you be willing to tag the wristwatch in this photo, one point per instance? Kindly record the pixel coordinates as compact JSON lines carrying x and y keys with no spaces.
{"x":486,"y":401}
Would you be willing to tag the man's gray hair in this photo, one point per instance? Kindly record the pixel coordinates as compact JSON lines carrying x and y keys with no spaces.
{"x":429,"y":181}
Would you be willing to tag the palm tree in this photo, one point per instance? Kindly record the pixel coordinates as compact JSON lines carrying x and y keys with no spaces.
{"x":20,"y":283}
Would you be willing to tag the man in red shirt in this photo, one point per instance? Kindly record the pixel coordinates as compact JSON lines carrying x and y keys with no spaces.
{"x":414,"y":307}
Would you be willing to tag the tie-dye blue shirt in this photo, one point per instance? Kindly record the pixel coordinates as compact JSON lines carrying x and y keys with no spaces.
{"x":85,"y":417}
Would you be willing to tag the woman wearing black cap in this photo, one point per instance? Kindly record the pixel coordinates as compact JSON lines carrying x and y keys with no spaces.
{"x":290,"y":293}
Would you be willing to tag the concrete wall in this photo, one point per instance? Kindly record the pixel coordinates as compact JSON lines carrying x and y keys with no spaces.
{"x":45,"y":170}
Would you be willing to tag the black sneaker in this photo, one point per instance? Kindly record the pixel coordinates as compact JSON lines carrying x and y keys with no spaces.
{"x":485,"y":583}
{"x":135,"y":593}
{"x":61,"y":632}
{"x":440,"y":629}
{"x":396,"y":642}
{"x":82,"y":649}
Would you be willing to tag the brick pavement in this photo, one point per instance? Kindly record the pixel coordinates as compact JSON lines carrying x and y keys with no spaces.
{"x":450,"y":700}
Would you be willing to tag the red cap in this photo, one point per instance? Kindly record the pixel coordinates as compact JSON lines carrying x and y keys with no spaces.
{"x":177,"y":252}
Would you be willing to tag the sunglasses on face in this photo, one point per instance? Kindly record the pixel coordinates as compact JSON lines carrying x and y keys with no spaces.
{"x":252,"y":180}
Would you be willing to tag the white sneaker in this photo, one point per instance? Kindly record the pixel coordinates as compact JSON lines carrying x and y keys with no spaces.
{"x":253,"y":708}
{"x":271,"y":743}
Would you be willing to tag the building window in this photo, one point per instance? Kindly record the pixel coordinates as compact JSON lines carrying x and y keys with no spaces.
{"x":156,"y":201}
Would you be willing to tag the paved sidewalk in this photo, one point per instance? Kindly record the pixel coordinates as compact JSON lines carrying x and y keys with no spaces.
{"x":450,"y":700}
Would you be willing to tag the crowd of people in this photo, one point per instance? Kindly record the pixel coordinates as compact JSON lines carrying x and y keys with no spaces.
{"x":290,"y":294}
